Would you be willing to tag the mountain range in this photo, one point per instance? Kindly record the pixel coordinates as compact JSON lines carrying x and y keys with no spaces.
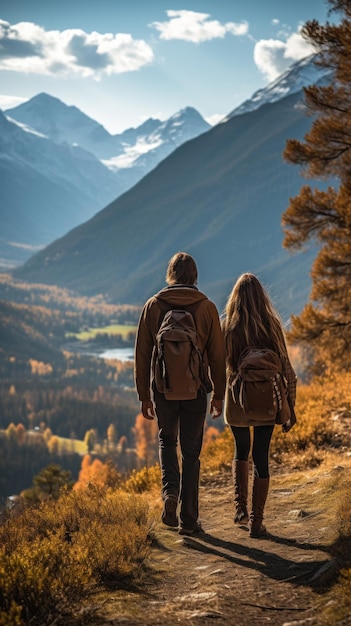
{"x":219,"y":196}
{"x":58,"y":167}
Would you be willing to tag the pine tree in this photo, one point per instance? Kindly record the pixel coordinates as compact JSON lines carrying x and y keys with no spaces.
{"x":323,"y":217}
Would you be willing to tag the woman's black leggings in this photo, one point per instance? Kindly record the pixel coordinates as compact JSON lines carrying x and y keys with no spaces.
{"x":260,"y":447}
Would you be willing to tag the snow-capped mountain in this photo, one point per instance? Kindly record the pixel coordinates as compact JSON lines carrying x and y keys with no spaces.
{"x":58,"y":167}
{"x":220,"y":196}
{"x":294,"y":79}
{"x":61,"y":123}
{"x":145,"y":150}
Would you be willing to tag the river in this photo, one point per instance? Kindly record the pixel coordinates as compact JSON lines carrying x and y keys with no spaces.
{"x":122,"y":354}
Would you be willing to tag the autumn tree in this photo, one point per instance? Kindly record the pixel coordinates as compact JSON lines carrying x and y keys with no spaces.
{"x":146,"y":439}
{"x":53,"y":445}
{"x":323,"y":217}
{"x":123,"y":444}
{"x":11,"y":433}
{"x":96,"y":472}
{"x":20,"y":433}
{"x":111,"y":435}
{"x":90,"y":439}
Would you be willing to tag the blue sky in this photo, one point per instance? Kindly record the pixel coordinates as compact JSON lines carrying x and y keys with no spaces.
{"x":122,"y":62}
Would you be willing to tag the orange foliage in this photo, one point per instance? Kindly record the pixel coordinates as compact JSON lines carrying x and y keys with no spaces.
{"x":53,"y":445}
{"x":21,"y":433}
{"x":146,"y":439}
{"x":40,"y":368}
{"x":96,"y":472}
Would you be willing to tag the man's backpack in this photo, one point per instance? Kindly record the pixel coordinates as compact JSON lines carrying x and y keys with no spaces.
{"x":178,"y":363}
{"x":259,"y":387}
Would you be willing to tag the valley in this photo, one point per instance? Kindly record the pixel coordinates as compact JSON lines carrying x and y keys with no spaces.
{"x":53,"y":395}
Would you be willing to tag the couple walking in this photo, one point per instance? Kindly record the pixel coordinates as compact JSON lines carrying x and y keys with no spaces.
{"x":250,"y":320}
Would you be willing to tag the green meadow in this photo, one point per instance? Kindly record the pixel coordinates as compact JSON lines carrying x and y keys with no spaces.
{"x":77,"y":446}
{"x":112,"y":329}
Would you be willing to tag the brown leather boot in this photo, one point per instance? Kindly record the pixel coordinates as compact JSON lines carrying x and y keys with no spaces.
{"x":240,"y":477}
{"x":259,"y":496}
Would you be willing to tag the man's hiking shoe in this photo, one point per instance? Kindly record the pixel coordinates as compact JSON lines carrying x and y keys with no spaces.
{"x":190,"y":532}
{"x":169,"y":513}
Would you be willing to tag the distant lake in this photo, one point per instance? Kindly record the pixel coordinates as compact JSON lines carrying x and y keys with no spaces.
{"x":122,"y":354}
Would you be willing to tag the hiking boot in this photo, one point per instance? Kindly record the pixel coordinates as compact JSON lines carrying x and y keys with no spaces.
{"x":259,"y":497}
{"x":240,"y":476}
{"x":169,"y":513}
{"x":194,"y":530}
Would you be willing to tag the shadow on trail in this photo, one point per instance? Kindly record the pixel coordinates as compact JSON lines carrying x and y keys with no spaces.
{"x":262,"y":560}
{"x":294,"y":543}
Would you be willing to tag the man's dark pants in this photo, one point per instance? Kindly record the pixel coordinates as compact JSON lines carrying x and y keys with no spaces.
{"x":186,"y":418}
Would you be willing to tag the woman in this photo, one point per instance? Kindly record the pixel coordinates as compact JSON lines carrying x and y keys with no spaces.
{"x":250,"y":320}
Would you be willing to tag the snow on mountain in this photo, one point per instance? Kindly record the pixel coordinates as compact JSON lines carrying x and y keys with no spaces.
{"x":25,"y":127}
{"x":132,"y":153}
{"x":50,"y":117}
{"x":299,"y":75}
{"x":182,"y":126}
{"x":166,"y":137}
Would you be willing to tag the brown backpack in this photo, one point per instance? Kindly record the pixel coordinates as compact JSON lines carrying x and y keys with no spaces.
{"x":178,"y":362}
{"x":259,"y":387}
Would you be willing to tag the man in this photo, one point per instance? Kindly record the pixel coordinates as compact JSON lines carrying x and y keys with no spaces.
{"x":183,"y":418}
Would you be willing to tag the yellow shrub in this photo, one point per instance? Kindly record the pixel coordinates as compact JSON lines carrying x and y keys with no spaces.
{"x":218,"y":454}
{"x":12,"y":617}
{"x":316,"y":404}
{"x":146,"y":479}
{"x":53,"y":555}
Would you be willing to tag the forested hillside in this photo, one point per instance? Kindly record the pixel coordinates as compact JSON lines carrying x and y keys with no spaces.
{"x":51,"y":398}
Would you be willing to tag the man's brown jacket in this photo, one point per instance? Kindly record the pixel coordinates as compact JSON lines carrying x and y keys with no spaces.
{"x":210,"y":337}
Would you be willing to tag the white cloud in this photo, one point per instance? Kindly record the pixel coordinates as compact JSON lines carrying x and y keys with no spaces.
{"x":27,"y":47}
{"x":274,"y":56}
{"x":8,"y":102}
{"x":196,"y":27}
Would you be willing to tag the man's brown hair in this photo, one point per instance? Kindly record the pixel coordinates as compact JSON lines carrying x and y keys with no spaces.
{"x":181,"y":270}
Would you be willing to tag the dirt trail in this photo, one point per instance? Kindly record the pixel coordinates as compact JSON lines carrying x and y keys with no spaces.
{"x":225,"y":577}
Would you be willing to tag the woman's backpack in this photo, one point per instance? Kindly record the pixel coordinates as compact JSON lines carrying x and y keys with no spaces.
{"x":259,"y":387}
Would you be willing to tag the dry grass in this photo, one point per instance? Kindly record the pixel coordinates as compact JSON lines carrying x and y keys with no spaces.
{"x":55,"y":555}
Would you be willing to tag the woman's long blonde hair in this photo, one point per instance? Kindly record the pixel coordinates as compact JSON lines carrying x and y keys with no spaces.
{"x":251,"y":320}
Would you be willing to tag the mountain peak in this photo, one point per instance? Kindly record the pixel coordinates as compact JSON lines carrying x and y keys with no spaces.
{"x":40,"y":100}
{"x":187,"y":118}
{"x":299,"y":75}
{"x":44,"y":97}
{"x":63,"y":123}
{"x":187,"y":112}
